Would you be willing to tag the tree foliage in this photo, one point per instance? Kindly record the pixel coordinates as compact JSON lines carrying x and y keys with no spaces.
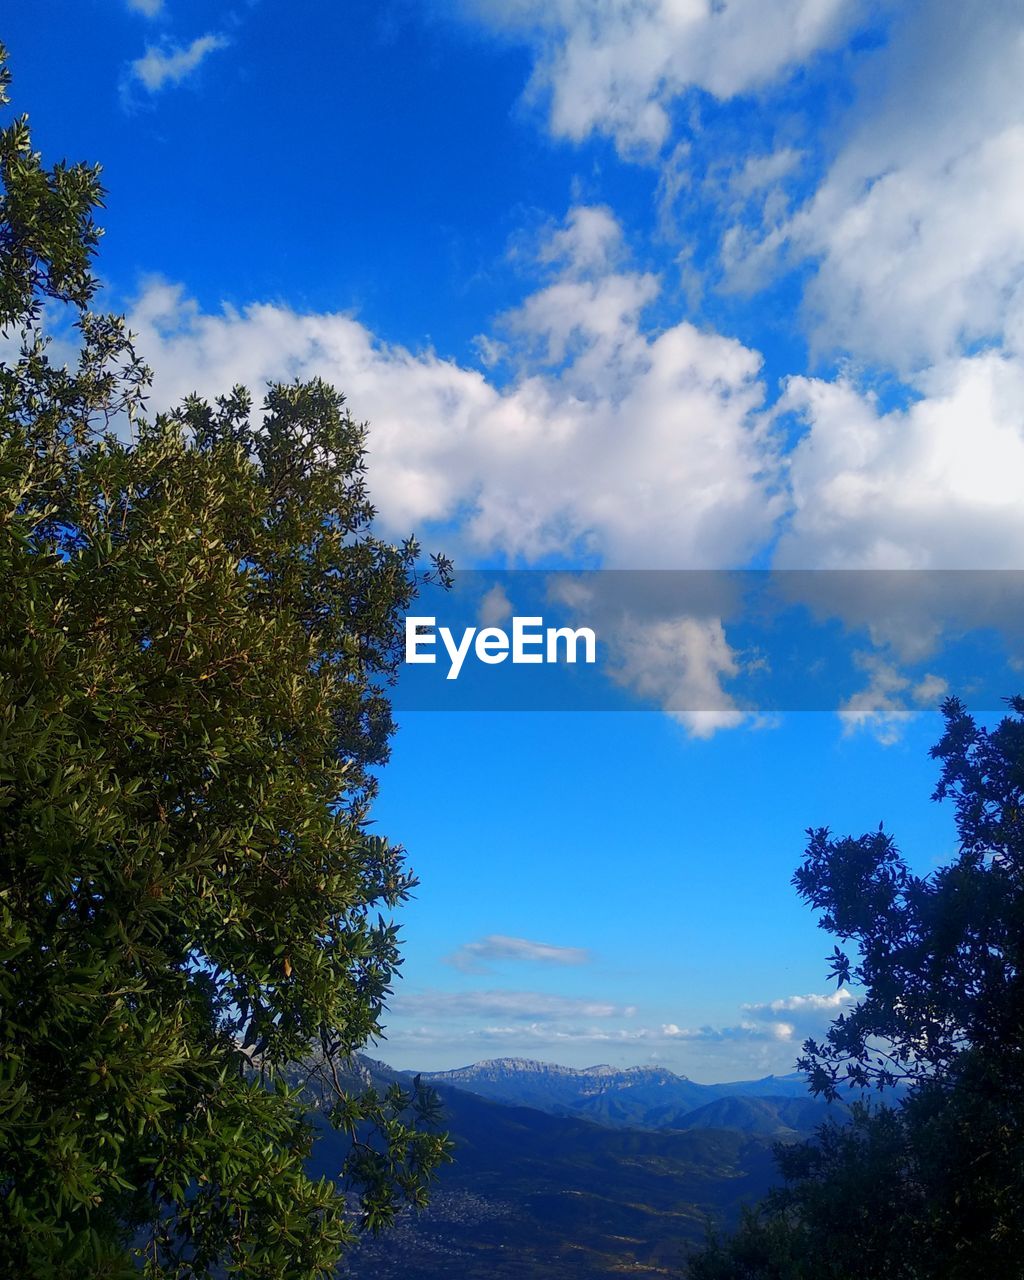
{"x":932,"y":1187}
{"x":940,"y":955}
{"x":197,"y":632}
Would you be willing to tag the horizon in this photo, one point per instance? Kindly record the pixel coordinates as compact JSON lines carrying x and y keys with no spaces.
{"x":599,"y":1066}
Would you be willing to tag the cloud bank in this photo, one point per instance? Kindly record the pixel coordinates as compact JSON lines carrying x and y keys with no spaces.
{"x":611,"y":441}
{"x":449,"y":1028}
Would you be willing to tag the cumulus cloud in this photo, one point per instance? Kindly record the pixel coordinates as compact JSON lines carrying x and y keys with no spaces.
{"x":148,"y":7}
{"x":912,"y":231}
{"x":616,"y":68}
{"x":915,"y":228}
{"x":816,"y":1009}
{"x":634,"y":447}
{"x":919,"y":261}
{"x":159,"y":68}
{"x":476,"y":957}
{"x":788,"y":1020}
{"x":931,"y":486}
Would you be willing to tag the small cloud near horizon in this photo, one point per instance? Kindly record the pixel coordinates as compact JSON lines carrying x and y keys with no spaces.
{"x":555,"y":1028}
{"x":475,"y":957}
{"x":519,"y":1006}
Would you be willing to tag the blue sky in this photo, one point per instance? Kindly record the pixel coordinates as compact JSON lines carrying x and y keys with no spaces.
{"x":659,"y":284}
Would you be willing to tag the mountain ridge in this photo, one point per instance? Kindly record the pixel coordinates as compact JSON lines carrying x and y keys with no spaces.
{"x":651,"y":1097}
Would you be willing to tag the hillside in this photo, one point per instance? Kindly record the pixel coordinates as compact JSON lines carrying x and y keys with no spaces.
{"x":557,"y":1198}
{"x":777,"y":1117}
{"x":535,"y":1195}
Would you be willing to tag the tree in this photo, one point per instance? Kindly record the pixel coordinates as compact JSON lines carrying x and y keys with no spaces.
{"x":197,"y":632}
{"x":941,"y":954}
{"x":934,"y":1186}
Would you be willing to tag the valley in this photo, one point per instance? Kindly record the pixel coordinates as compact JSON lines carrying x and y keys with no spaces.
{"x":540,"y":1195}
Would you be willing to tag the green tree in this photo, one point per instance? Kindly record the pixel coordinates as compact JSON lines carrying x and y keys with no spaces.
{"x":197,"y":632}
{"x":932,"y":1187}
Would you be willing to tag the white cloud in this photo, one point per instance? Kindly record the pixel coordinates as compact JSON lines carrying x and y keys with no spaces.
{"x":446,"y":1028}
{"x":789,"y":1020}
{"x":916,"y":228}
{"x":932,"y":486}
{"x":908,"y":616}
{"x":639,"y":449}
{"x":495,"y":607}
{"x":590,"y":242}
{"x":758,"y":173}
{"x":889,"y":701}
{"x":546,"y":1032}
{"x":616,"y":68}
{"x":148,"y":7}
{"x":929,"y":691}
{"x":665,"y":640}
{"x":922,"y":260}
{"x":814,"y":1007}
{"x":161,"y":67}
{"x":680,"y":663}
{"x":592,"y":322}
{"x":529,"y":1006}
{"x":476,"y":957}
{"x":731,"y":184}
{"x":914,"y":231}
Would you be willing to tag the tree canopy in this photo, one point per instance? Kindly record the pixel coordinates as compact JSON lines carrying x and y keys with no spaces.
{"x":932,"y":1187}
{"x":940,"y":955}
{"x":197,"y":631}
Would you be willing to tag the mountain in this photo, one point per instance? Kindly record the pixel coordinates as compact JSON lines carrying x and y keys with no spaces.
{"x":634,"y":1097}
{"x":533,"y":1196}
{"x":793,"y":1085}
{"x":776,"y":1117}
{"x":523,"y":1082}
